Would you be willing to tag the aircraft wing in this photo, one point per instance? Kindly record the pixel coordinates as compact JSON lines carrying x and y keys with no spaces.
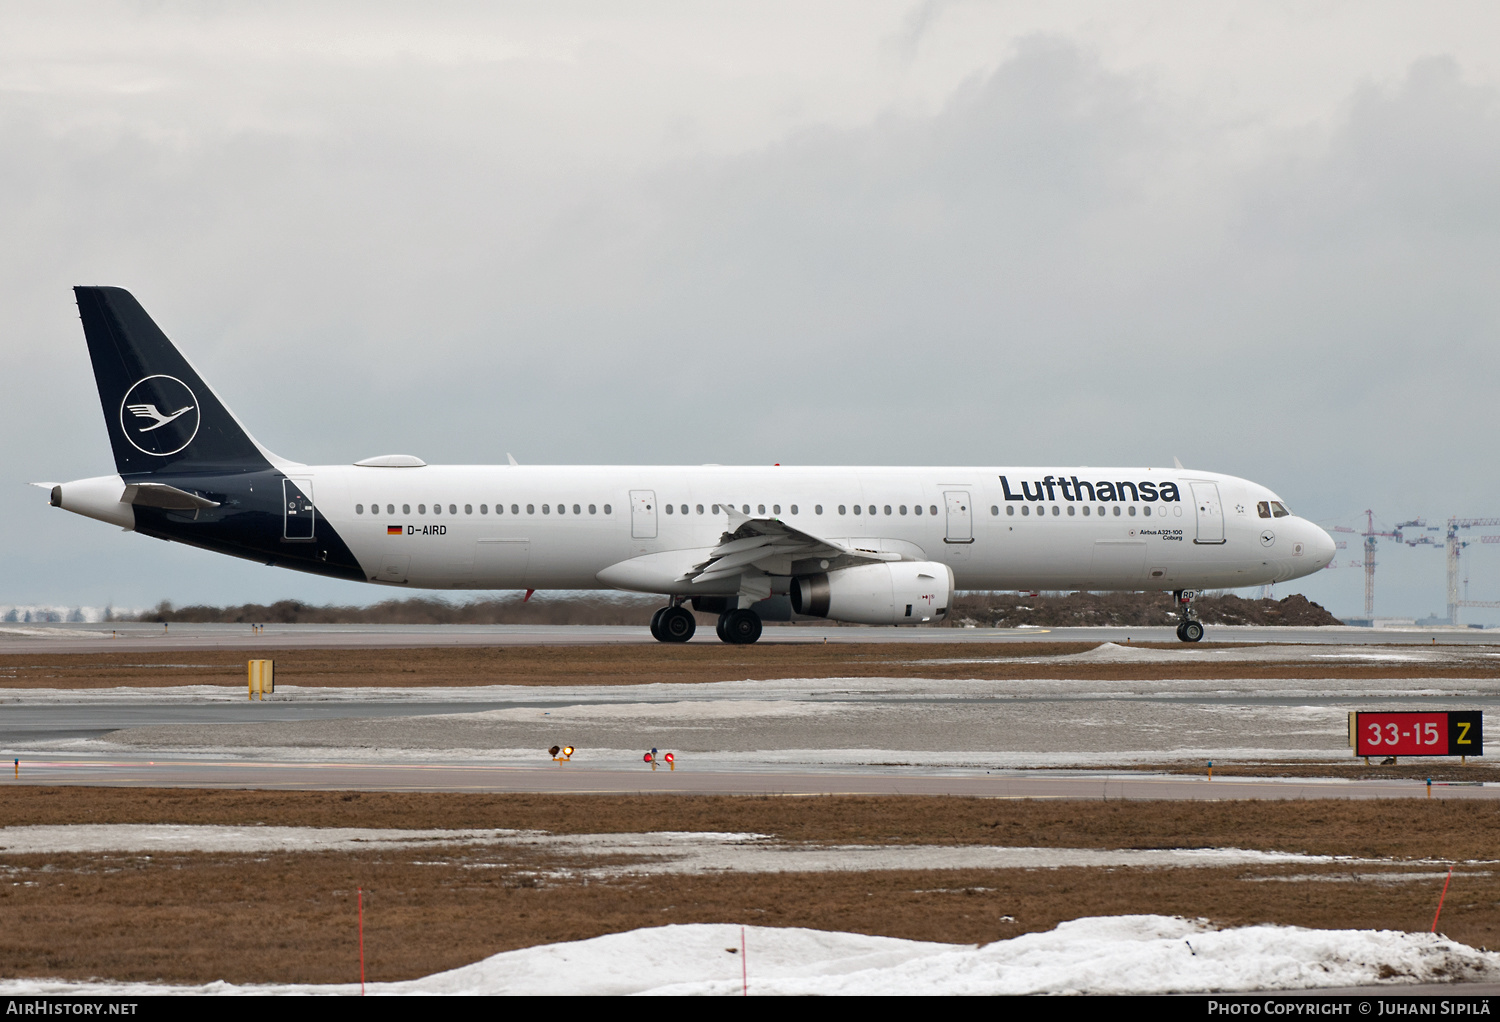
{"x":771,"y":546}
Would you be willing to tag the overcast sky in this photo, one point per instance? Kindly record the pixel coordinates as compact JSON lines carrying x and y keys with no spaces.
{"x":1263,"y":238}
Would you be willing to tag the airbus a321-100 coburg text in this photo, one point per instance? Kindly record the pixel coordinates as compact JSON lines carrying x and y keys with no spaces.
{"x":878,"y":546}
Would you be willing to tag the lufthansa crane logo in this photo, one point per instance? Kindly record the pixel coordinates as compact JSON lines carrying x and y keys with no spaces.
{"x":159,"y":415}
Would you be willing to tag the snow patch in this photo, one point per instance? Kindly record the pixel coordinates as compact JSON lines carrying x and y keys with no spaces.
{"x":658,"y":852}
{"x":1140,"y":954}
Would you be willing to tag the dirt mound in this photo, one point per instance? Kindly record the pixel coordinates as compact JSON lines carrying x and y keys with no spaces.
{"x":1012,"y":610}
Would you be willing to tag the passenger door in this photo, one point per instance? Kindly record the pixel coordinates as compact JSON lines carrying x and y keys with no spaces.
{"x":297,"y":514}
{"x":642,"y":514}
{"x":960,"y":519}
{"x":1210,"y":513}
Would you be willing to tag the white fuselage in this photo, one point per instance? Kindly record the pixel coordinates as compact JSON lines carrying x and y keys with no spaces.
{"x":559,"y":527}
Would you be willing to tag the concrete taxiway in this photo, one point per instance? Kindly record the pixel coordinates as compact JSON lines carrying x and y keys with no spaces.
{"x":577,"y":779}
{"x":773,"y":735}
{"x":93,"y":638}
{"x":751,"y":726}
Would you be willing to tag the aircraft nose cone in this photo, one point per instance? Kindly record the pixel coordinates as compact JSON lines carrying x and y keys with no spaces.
{"x":1322,"y":547}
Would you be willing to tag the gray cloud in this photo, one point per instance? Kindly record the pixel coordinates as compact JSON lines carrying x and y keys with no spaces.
{"x":463,"y":255}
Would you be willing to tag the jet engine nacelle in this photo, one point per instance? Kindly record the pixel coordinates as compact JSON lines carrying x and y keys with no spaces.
{"x":892,"y":593}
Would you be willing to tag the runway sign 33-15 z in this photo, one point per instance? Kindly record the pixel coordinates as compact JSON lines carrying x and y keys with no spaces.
{"x":1417,"y":734}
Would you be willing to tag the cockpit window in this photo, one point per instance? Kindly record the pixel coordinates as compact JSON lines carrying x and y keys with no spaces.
{"x":1263,"y":509}
{"x":1278,"y":509}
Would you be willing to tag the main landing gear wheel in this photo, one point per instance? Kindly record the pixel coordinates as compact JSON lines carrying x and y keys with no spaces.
{"x":676,"y":624}
{"x":656,"y":625}
{"x":1190,"y":631}
{"x":739,"y":627}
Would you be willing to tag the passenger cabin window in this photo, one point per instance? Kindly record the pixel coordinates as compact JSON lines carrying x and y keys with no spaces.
{"x":606,"y":509}
{"x":917,"y":509}
{"x":669,"y":509}
{"x":817,"y":509}
{"x":484,"y":509}
{"x":1025,"y":509}
{"x":515,"y":509}
{"x":468,"y":509}
{"x":857,"y":509}
{"x":746,"y":509}
{"x":359,"y":509}
{"x":406,"y":509}
{"x":700,"y":509}
{"x":531,"y":509}
{"x":453,"y":509}
{"x":776,"y":509}
{"x":1072,"y":511}
{"x":1010,"y":509}
{"x":995,"y":509}
{"x":594,"y":509}
{"x":932,"y":508}
{"x":887,"y":509}
{"x":841,"y":509}
{"x":760,"y":509}
{"x":421,"y":509}
{"x":794,"y":509}
{"x":390,"y":509}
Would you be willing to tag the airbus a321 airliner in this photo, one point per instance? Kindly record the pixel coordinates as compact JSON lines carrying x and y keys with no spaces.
{"x":877,"y":546}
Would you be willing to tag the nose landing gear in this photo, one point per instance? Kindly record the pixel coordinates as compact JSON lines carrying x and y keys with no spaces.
{"x":1191,"y":629}
{"x":674,"y":623}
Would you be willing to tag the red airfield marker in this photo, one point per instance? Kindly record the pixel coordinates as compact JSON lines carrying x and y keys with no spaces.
{"x":1441,"y":897}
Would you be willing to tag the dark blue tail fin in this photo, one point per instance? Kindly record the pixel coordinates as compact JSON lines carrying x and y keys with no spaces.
{"x":160,"y":414}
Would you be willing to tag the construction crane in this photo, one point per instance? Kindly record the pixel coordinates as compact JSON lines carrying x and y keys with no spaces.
{"x":1455,"y":547}
{"x":1371,"y":534}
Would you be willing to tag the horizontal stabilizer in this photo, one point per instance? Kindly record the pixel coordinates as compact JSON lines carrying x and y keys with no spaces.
{"x":161,"y":495}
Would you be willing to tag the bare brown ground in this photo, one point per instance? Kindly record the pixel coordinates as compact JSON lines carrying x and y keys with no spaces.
{"x":1403,"y":829}
{"x":197,"y":917}
{"x":1446,"y":770}
{"x":291,"y":918}
{"x":632,"y":665}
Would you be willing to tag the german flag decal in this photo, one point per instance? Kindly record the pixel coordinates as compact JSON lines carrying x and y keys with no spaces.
{"x":393,"y":530}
